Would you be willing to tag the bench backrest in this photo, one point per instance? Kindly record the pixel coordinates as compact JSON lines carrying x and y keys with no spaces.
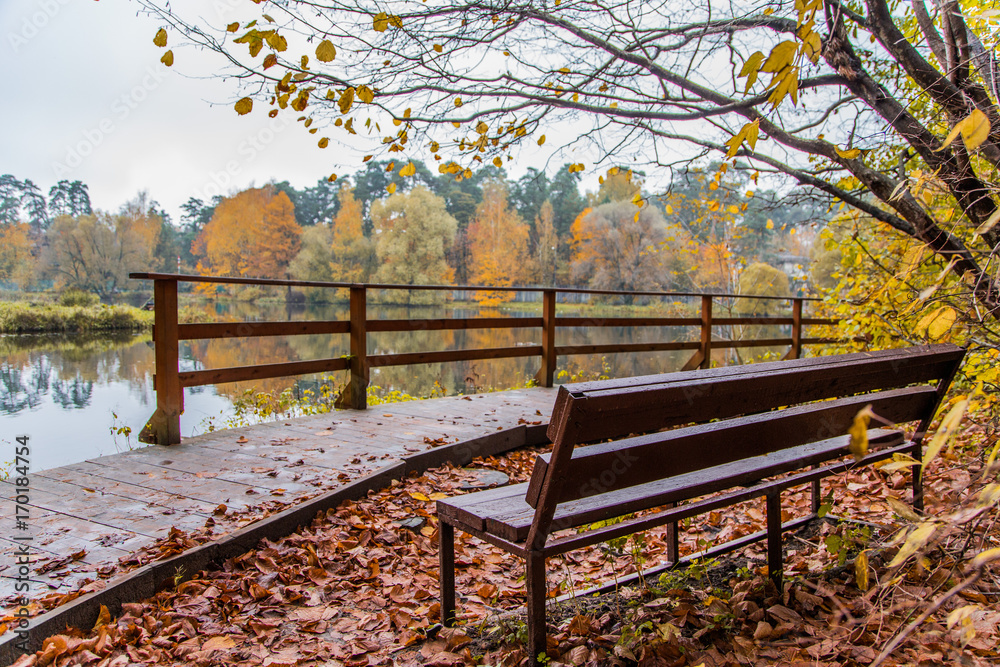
{"x":735,"y":412}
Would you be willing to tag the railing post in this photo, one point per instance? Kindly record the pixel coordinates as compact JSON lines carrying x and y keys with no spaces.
{"x":796,"y":350}
{"x":706,"y":330}
{"x":164,"y":427}
{"x":355,"y":394}
{"x":546,"y":373}
{"x":703,"y":357}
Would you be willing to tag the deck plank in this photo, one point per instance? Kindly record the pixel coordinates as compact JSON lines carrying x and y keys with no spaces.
{"x":112,"y":506}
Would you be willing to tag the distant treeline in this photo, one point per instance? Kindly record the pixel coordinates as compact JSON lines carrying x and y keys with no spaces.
{"x":398,"y":222}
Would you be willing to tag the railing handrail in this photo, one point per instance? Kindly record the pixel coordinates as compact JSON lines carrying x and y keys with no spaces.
{"x":169,"y":381}
{"x":236,"y":280}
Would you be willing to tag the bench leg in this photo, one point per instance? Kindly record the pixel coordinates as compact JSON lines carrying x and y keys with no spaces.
{"x":446,"y":556}
{"x":917,"y":480}
{"x":534,"y":566}
{"x":774,"y":559}
{"x":673,"y":539}
{"x":817,"y":496}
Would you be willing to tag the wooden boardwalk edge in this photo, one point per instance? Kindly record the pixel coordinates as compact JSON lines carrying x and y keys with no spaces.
{"x":145,"y":581}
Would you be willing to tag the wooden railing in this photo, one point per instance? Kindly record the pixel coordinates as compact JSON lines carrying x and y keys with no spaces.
{"x":169,"y":382}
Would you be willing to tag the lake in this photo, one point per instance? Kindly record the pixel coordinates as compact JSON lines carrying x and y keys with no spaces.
{"x":68,"y":393}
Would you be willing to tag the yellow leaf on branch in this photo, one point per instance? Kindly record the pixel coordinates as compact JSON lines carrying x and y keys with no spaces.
{"x":974,"y":128}
{"x":781,"y":56}
{"x":750,"y":69}
{"x":858,"y":446}
{"x":161,"y":38}
{"x":244,"y":106}
{"x":326,"y":51}
{"x":346,"y":99}
{"x":937,"y":323}
{"x":947,"y":430}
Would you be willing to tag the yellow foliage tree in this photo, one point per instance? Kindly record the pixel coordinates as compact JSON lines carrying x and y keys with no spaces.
{"x":354,"y":259}
{"x":498,"y":241}
{"x":544,"y":262}
{"x":97,"y":252}
{"x":253,"y":233}
{"x":413,"y":230}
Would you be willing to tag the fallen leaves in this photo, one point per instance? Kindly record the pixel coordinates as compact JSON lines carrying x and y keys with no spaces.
{"x":359,"y":586}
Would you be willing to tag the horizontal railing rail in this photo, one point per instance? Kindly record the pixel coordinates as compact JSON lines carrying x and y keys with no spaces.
{"x":169,"y":381}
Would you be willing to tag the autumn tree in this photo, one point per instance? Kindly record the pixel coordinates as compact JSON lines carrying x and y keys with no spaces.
{"x":16,"y":261}
{"x":97,"y":252}
{"x":353,"y":258}
{"x":856,"y":100}
{"x":498,"y":240}
{"x":253,"y":233}
{"x":413,"y":230}
{"x":545,"y":260}
{"x":315,"y":258}
{"x":760,"y":279}
{"x":618,"y":185}
{"x":616,"y":247}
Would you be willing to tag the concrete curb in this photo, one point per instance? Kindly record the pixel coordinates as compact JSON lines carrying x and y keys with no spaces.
{"x":148,"y":579}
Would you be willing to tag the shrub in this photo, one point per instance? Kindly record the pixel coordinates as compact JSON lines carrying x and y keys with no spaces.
{"x":25,"y":318}
{"x":78,"y":297}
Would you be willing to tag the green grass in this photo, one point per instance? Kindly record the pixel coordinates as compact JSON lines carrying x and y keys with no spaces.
{"x":22,"y":317}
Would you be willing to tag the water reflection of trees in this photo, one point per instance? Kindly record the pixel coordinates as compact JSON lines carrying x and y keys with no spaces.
{"x":75,"y":393}
{"x":67,"y":368}
{"x":451,"y":377}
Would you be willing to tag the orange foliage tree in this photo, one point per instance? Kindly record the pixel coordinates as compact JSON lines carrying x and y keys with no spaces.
{"x":15,"y":253}
{"x":498,"y":241}
{"x":253,"y":233}
{"x":353,"y":254}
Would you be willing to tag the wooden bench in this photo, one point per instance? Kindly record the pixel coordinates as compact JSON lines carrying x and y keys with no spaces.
{"x":736,"y":430}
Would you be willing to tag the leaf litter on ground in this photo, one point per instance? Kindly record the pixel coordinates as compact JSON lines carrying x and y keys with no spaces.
{"x":359,"y":586}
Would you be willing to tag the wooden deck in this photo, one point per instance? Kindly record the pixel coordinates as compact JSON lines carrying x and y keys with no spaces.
{"x":86,"y":516}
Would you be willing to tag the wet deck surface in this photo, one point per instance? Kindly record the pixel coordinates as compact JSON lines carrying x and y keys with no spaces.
{"x":86,"y":516}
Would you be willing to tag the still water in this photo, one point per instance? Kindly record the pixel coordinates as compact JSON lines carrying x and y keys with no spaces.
{"x":70,"y":394}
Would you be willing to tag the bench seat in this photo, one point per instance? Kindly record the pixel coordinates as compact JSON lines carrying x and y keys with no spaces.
{"x":504,"y":512}
{"x":651,"y":451}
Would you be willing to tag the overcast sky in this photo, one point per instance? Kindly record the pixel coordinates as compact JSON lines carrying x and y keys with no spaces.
{"x":86,"y":98}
